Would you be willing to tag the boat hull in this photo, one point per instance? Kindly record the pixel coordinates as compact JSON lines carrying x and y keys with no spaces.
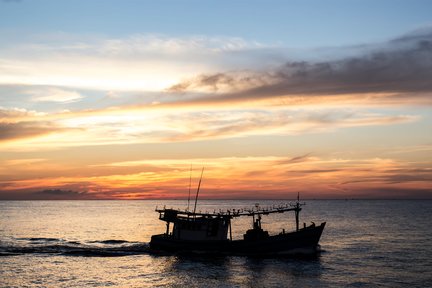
{"x":304,"y":241}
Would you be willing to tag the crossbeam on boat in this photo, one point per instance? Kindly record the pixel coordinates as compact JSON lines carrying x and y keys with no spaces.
{"x":232,"y":213}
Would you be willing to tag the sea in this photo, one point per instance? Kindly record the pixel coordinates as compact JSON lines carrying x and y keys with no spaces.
{"x":366,"y":243}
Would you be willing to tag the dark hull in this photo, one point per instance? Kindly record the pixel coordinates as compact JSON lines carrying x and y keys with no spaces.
{"x":304,"y":241}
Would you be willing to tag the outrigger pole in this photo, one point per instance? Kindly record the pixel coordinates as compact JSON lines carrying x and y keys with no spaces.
{"x":199,"y":185}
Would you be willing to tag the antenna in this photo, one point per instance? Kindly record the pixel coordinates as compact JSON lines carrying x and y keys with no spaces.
{"x":199,"y":185}
{"x":190,"y":182}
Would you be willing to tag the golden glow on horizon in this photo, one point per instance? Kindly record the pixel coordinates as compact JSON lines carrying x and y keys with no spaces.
{"x":271,"y":177}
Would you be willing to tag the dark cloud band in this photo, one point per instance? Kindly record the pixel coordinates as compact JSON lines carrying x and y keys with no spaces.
{"x":403,"y":65}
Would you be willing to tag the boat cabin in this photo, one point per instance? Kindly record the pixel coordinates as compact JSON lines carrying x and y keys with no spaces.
{"x":190,"y":226}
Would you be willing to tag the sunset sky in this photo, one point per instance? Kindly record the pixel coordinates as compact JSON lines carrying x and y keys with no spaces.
{"x":111,"y":99}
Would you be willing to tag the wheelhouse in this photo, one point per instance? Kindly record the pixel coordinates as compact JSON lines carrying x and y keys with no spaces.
{"x":189,"y":226}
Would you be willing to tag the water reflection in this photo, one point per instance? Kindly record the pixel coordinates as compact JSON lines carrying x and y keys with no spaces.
{"x":229,"y":271}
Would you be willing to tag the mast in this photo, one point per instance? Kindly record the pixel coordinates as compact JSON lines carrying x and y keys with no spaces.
{"x":190,"y":182}
{"x":297,"y":210}
{"x":199,"y":185}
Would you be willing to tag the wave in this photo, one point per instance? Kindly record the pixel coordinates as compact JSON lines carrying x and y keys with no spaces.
{"x":112,"y":242}
{"x":40,"y":239}
{"x":103,"y":248}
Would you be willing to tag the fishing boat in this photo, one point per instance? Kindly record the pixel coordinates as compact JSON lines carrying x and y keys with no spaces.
{"x":212,"y":233}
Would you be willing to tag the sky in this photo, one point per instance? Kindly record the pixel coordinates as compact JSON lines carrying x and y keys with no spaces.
{"x":131,"y":99}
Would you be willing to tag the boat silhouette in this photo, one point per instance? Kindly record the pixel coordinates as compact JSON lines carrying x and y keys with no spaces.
{"x":212,"y":232}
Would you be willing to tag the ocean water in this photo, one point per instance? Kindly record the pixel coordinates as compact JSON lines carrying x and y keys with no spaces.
{"x":377,"y":243}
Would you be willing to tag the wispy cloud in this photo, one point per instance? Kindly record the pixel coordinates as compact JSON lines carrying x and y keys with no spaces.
{"x":204,"y":125}
{"x":297,"y":159}
{"x":53,"y":94}
{"x":15,"y":114}
{"x":25,"y":125}
{"x":162,"y":125}
{"x":21,"y":130}
{"x":137,"y":62}
{"x":23,"y":162}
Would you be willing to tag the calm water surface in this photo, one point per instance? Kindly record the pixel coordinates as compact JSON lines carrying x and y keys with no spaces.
{"x":376,"y":243}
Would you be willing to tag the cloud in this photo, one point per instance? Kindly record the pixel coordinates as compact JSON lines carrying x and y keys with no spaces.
{"x":397,"y":175}
{"x":14,"y":114}
{"x":59,"y":192}
{"x":47,"y":194}
{"x":161,"y":125}
{"x":294,"y":160}
{"x":133,"y":63}
{"x":224,"y":82}
{"x":22,"y":162}
{"x":196,"y":126}
{"x":12,"y":131}
{"x":26,"y":126}
{"x":53,"y":94}
{"x":400,"y":69}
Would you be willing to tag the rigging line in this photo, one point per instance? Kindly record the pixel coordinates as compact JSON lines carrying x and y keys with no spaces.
{"x":199,"y":185}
